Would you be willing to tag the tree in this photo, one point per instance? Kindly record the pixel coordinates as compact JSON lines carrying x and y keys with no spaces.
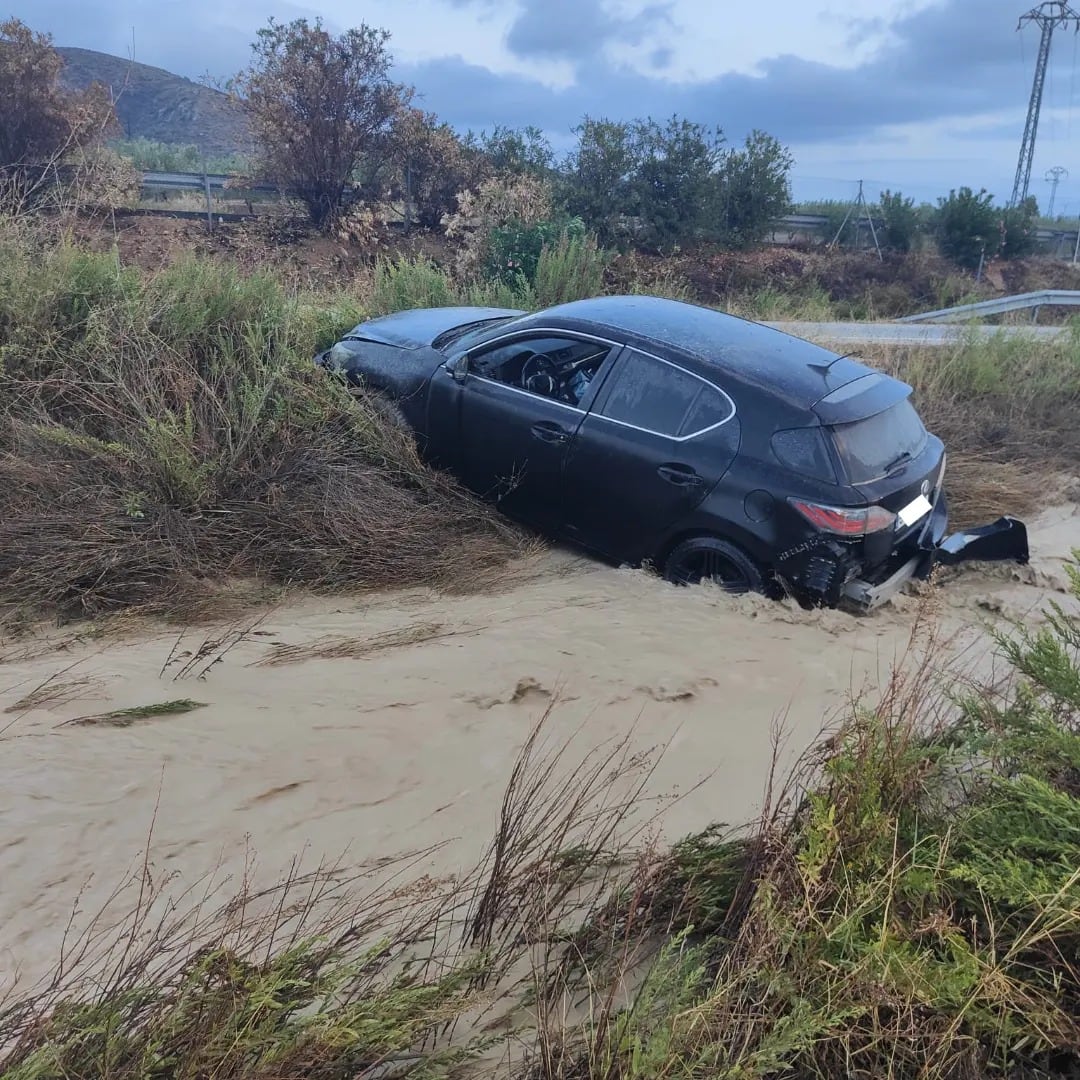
{"x":674,"y":180}
{"x":1018,"y":236}
{"x":41,"y":124}
{"x":320,"y":106}
{"x":598,"y":181}
{"x":968,"y":226}
{"x":900,"y":220}
{"x":752,"y":191}
{"x":517,"y":150}
{"x":433,"y":165}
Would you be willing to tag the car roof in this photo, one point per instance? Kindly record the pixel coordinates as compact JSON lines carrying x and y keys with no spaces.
{"x":758,"y":355}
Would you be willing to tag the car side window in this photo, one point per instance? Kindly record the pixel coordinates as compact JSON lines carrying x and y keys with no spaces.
{"x":556,"y":367}
{"x":662,"y":398}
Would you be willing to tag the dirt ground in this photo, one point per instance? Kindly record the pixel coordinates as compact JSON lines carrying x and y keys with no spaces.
{"x":365,"y":727}
{"x":857,"y":283}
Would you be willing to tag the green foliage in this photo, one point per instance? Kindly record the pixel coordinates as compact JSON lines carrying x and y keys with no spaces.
{"x":752,"y":190}
{"x":599,"y":177}
{"x":516,"y":150}
{"x":1019,"y":230}
{"x":515,"y":247}
{"x":403,"y":283}
{"x":151,"y":156}
{"x":900,"y":221}
{"x":570,"y":269}
{"x":311,"y":1010}
{"x":675,"y":183}
{"x":968,"y":226}
{"x":194,"y":387}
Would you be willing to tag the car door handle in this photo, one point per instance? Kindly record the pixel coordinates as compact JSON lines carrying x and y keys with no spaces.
{"x":546,"y":431}
{"x":681,"y":475}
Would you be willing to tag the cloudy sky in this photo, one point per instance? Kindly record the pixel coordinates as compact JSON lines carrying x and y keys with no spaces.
{"x":921,"y":95}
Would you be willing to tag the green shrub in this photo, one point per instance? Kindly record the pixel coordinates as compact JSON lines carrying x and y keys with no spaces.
{"x":570,"y":269}
{"x":515,"y":247}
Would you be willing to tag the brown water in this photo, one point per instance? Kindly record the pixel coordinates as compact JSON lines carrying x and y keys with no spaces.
{"x":408,"y":739}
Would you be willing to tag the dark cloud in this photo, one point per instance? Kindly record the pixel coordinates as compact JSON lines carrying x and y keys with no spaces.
{"x":578,"y":29}
{"x":952,"y":60}
{"x":947,"y":61}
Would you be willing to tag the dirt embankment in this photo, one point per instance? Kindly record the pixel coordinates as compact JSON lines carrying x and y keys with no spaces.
{"x":368,"y":727}
{"x":856,"y":284}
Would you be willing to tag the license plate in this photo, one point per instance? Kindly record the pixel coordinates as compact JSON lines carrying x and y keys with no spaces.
{"x":916,"y":509}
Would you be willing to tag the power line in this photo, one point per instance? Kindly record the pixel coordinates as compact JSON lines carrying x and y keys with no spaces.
{"x":1048,"y":16}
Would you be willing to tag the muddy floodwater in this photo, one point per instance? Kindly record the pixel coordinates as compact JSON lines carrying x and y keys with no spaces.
{"x":367,"y":726}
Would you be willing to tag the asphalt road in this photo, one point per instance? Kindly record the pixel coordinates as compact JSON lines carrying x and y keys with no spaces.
{"x":842,"y":333}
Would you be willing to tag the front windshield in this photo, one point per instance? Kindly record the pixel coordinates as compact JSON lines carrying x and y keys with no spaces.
{"x":465,"y":337}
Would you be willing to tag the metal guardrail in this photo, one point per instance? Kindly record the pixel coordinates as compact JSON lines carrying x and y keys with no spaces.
{"x":1002,"y":305}
{"x":175,"y":181}
{"x":179,"y":181}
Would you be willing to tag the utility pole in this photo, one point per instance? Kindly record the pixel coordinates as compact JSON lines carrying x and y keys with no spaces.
{"x":1048,"y":17}
{"x":863,"y":207}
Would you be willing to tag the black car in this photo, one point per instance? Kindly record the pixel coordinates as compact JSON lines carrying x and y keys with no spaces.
{"x":653,"y":431}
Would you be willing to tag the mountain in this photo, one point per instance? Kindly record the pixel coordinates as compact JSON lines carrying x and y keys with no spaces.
{"x":156,"y":104}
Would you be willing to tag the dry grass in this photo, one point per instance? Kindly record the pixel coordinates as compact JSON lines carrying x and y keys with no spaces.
{"x":1008,"y":412}
{"x":162,"y":435}
{"x":55,"y":691}
{"x":342,"y":648}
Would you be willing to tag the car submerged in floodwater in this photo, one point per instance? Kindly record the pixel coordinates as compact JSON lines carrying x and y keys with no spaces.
{"x":653,"y":431}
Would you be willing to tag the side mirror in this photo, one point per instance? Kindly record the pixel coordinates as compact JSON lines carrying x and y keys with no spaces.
{"x":458,"y":368}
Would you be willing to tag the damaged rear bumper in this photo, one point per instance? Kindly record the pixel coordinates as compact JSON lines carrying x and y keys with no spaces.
{"x":1004,"y":540}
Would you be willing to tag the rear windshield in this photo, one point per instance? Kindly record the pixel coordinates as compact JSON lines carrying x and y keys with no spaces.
{"x":870,"y":448}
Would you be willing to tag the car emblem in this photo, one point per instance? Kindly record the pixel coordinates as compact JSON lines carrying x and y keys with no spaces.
{"x":925,"y":487}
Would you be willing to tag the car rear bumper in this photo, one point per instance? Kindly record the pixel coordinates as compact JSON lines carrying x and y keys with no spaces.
{"x":1004,"y":540}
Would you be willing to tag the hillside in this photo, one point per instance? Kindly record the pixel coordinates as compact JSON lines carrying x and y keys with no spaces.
{"x":156,"y":104}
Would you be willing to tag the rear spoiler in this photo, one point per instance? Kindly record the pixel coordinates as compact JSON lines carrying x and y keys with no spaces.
{"x":861,"y":398}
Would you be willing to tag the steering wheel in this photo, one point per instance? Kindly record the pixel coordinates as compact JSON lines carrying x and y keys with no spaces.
{"x":540,"y":375}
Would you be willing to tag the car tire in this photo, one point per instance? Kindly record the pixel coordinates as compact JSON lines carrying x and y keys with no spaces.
{"x":388,"y":411}
{"x":704,"y":558}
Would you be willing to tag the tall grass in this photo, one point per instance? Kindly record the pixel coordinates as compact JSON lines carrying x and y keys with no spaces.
{"x":570,"y":269}
{"x":159,"y":433}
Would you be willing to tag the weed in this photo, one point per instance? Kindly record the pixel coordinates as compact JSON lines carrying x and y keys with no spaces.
{"x":127,"y":717}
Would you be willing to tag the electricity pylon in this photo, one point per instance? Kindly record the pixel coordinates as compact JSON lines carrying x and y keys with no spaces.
{"x":1048,"y":17}
{"x":1054,"y":177}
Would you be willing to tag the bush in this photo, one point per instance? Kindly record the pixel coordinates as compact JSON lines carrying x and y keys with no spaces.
{"x":900,"y":220}
{"x":159,"y":434}
{"x":570,"y":269}
{"x":434,"y":166}
{"x":967,"y":226}
{"x":514,"y":249}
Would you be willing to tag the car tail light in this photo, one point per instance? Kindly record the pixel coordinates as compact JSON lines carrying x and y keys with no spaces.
{"x":845,"y":520}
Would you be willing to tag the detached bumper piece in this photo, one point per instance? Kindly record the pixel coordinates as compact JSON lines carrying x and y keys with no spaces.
{"x":1004,"y":540}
